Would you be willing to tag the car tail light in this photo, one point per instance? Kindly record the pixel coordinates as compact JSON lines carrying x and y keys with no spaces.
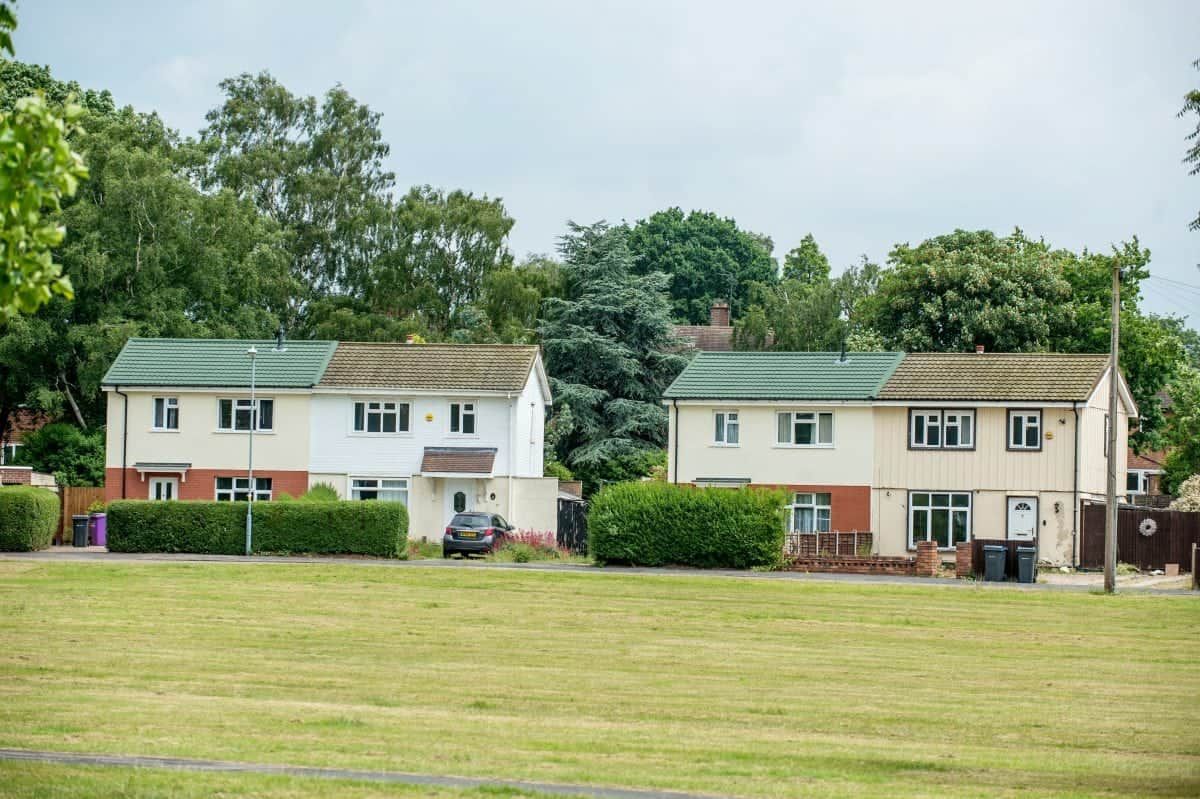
{"x":450,"y":531}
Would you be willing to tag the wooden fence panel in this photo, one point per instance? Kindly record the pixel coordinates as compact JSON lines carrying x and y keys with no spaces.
{"x":75,"y":500}
{"x":1148,"y":538}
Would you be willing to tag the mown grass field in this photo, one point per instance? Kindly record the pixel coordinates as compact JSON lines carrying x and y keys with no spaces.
{"x":749,"y":687}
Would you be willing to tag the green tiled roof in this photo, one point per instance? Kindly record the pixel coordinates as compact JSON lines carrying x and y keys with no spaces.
{"x":784,"y":375}
{"x":219,"y":363}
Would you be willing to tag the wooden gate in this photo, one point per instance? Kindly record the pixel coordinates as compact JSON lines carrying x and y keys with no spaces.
{"x":572,"y":525}
{"x":75,"y":500}
{"x":1148,"y":538}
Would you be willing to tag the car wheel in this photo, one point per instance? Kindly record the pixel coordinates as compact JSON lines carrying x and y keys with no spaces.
{"x":445,"y":552}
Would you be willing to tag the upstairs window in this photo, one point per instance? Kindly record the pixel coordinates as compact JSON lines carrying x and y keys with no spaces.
{"x":462,"y":418}
{"x":244,"y":414}
{"x":804,"y":428}
{"x":942,"y":428}
{"x":166,"y":413}
{"x":1024,"y":429}
{"x":381,"y":416}
{"x":727,"y":428}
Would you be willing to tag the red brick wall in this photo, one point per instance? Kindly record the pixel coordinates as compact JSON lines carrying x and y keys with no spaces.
{"x":15,"y":476}
{"x":849,"y":509}
{"x":200,"y":483}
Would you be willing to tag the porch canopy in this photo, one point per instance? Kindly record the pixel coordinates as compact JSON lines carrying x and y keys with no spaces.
{"x":180,"y":469}
{"x":458,"y":461}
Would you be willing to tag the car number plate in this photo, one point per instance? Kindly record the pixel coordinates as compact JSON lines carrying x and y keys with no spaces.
{"x":469,"y":534}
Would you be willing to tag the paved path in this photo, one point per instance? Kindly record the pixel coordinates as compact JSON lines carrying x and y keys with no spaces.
{"x":100,"y":555}
{"x":226,"y":766}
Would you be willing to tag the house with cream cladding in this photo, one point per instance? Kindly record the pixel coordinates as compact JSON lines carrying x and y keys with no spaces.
{"x":442,"y":428}
{"x":937,"y":446}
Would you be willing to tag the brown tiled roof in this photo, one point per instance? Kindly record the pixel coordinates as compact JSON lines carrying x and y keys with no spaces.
{"x":1149,"y":460}
{"x":706,"y":338}
{"x":465,"y":367}
{"x":458,"y":460}
{"x":1020,"y":377}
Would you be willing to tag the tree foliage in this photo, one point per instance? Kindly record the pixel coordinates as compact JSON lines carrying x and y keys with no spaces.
{"x":806,"y":263}
{"x":73,"y":456}
{"x":610,"y":353}
{"x":705,"y":258}
{"x":1183,"y":431}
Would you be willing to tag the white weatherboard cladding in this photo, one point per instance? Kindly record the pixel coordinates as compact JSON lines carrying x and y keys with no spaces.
{"x":336,"y":449}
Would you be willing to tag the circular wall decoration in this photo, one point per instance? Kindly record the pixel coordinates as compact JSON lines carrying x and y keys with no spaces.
{"x":1148,"y":527}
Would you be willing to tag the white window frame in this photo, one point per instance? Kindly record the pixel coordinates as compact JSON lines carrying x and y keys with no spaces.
{"x":811,"y":500}
{"x":929,"y":509}
{"x":243,"y":404}
{"x":401,"y":409}
{"x":466,"y":408}
{"x":1024,"y":415}
{"x":9,"y":452}
{"x":939,"y":419}
{"x":167,"y":404}
{"x":241,"y":485}
{"x":795,"y":418}
{"x":377,"y":484}
{"x":726,"y":425}
{"x":1143,"y":478}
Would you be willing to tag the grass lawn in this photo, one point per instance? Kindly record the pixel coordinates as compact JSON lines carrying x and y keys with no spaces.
{"x":741,"y":686}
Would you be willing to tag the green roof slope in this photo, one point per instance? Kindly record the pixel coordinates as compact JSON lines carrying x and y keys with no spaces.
{"x":218,"y":363}
{"x":784,"y":376}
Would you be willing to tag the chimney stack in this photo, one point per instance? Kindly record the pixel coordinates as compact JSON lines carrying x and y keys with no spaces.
{"x":979,"y":349}
{"x":410,"y":338}
{"x":718,"y":315}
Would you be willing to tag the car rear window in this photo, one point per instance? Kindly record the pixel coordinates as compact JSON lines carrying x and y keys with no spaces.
{"x":472,"y":521}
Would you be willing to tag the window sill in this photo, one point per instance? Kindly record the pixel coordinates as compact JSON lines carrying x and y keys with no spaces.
{"x":803,"y":446}
{"x":724,"y":446}
{"x":164,"y":430}
{"x":364,"y":434}
{"x":244,"y":432}
{"x":1025,"y":449}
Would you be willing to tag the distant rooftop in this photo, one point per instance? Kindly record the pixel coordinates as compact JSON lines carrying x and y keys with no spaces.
{"x":784,"y":375}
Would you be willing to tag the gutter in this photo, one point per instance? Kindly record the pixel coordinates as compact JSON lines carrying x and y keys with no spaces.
{"x":512,"y":446}
{"x":1075,"y":559}
{"x":124,"y":437}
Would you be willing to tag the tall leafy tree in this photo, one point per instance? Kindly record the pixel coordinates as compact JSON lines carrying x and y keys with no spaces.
{"x":806,"y":263}
{"x":610,"y":353}
{"x":705,"y":257}
{"x":1182,"y":432}
{"x":315,"y":168}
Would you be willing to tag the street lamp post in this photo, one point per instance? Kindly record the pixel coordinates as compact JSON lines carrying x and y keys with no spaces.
{"x":252,"y":352}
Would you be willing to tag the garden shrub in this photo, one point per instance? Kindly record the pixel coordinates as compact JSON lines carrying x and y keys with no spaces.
{"x":658,"y":524}
{"x":219,"y":528}
{"x":28,"y":518}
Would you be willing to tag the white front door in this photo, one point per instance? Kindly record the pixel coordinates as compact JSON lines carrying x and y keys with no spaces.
{"x":459,"y":497}
{"x":164,"y":488}
{"x":1022,"y":518}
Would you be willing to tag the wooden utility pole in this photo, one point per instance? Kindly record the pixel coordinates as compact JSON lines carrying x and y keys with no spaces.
{"x":1110,"y":517}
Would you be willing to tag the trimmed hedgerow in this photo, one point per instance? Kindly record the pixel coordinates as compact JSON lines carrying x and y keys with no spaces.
{"x":659,"y":524}
{"x":28,"y":517}
{"x":219,"y":528}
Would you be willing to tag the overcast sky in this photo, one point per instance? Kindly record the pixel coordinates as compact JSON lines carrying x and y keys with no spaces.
{"x":867,"y":125}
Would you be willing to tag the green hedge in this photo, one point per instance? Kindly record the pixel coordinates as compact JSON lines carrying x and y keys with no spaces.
{"x":659,"y":524}
{"x":219,"y":528}
{"x":28,"y":518}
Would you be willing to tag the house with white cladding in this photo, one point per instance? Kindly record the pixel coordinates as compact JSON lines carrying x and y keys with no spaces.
{"x":442,"y":428}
